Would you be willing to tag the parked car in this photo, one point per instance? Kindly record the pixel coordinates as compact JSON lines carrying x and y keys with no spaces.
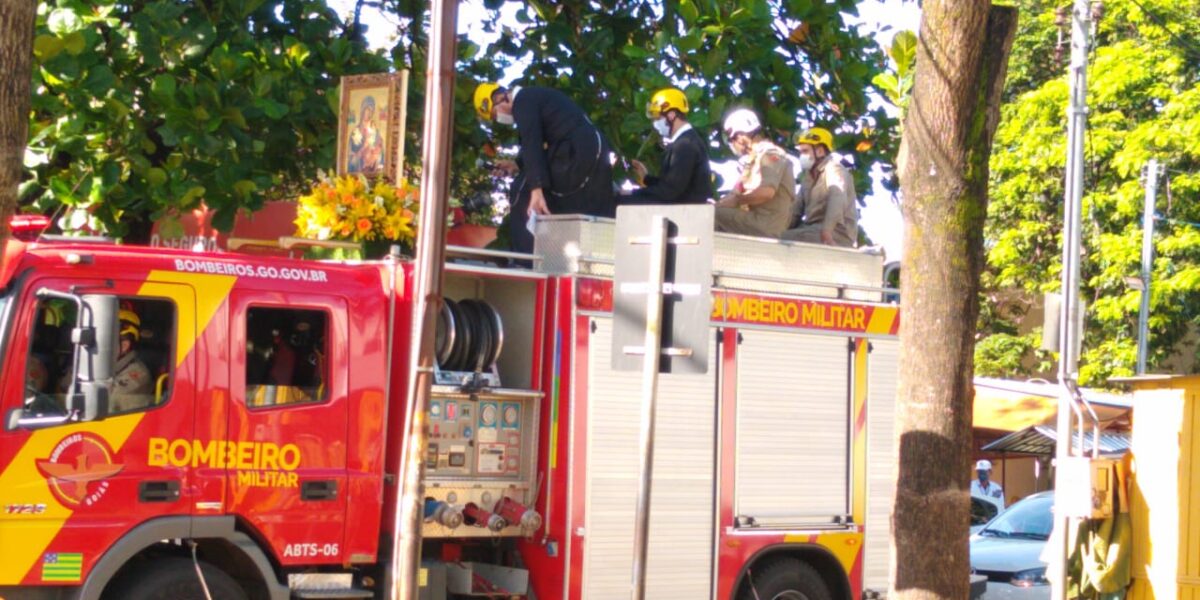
{"x":1008,"y":549}
{"x":982,"y":511}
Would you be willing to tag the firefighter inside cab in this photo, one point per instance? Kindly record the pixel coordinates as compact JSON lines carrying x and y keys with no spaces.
{"x":133,"y":385}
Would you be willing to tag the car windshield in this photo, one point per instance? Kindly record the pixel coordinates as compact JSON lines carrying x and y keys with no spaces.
{"x":1028,"y":519}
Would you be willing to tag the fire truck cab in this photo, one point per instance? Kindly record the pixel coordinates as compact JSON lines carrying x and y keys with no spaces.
{"x":185,"y":424}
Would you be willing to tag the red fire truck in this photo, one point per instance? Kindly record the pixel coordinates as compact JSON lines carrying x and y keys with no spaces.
{"x":186,"y":424}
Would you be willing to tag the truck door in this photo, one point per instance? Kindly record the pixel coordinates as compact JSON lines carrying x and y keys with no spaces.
{"x":71,"y":489}
{"x":286,"y":449}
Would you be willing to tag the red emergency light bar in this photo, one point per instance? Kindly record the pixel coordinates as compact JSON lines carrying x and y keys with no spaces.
{"x":27,"y":228}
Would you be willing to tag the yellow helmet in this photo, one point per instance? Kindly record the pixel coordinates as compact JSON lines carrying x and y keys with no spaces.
{"x":664,"y":100}
{"x":130,"y":323}
{"x":814,"y":136}
{"x":483,"y":99}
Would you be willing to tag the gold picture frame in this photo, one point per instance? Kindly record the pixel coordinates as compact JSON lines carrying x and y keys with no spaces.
{"x":369,"y":125}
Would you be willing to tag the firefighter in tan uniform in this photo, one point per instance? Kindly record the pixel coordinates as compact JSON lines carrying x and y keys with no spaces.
{"x":826,"y":211}
{"x":761,"y":202}
{"x":133,"y":385}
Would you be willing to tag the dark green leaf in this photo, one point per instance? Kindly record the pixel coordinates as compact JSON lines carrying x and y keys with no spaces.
{"x":163,"y":87}
{"x":271,"y":108}
{"x":688,"y":10}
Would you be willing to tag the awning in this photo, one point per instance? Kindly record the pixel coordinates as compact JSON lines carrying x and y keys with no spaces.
{"x":1041,"y":440}
{"x":1007,"y":405}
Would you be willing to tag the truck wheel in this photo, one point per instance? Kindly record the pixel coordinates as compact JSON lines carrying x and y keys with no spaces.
{"x":175,"y":579}
{"x":785,"y":579}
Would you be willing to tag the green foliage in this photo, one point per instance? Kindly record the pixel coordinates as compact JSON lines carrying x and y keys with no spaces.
{"x":797,"y":63}
{"x":1144,"y":99}
{"x":897,"y":81}
{"x":142,"y":109}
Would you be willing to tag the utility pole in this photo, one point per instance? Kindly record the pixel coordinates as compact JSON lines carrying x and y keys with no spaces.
{"x":1147,"y":264}
{"x":404,"y":574}
{"x":1068,"y":358}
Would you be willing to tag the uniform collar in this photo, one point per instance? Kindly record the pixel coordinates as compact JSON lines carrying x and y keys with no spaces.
{"x":125,"y":360}
{"x":679,"y":132}
{"x":762,"y":146}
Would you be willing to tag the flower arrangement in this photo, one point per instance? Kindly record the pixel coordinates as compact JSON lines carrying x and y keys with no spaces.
{"x":349,"y":207}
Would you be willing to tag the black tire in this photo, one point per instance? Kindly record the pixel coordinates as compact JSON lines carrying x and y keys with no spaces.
{"x":785,"y":579}
{"x":174,"y":579}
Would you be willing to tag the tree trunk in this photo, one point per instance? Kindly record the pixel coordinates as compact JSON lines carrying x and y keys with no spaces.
{"x":16,"y":55}
{"x":962,"y":58}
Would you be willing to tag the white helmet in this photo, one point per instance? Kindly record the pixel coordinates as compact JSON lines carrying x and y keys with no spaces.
{"x":983,"y":465}
{"x":741,"y":120}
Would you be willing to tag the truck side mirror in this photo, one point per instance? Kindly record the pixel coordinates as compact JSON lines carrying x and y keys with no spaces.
{"x":96,"y":350}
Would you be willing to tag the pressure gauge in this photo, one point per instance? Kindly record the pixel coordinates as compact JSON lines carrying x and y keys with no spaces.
{"x":487,"y":415}
{"x":510,"y":416}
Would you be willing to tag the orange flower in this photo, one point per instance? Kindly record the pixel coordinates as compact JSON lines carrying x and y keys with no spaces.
{"x":364,"y":225}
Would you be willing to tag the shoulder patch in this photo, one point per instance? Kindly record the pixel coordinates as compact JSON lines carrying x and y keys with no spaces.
{"x":770,"y":158}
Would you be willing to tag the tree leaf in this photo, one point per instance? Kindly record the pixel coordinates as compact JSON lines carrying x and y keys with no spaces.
{"x":46,"y":47}
{"x":100,"y":79}
{"x":63,"y":21}
{"x":634,"y":52}
{"x":689,"y":12}
{"x":75,"y":43}
{"x":156,"y":177}
{"x":903,"y":50}
{"x":271,"y":108}
{"x":194,"y":194}
{"x":234,"y":115}
{"x":690,"y":42}
{"x":887,"y":82}
{"x":245,"y":187}
{"x":163,"y":87}
{"x":800,"y":8}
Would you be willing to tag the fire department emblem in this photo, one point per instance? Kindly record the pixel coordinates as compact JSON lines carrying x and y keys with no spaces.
{"x":78,"y":469}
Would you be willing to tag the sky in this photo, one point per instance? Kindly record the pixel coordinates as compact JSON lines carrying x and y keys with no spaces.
{"x":879,"y":218}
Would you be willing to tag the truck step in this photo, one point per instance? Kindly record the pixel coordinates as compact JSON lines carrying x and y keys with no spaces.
{"x":332,"y":594}
{"x":325,"y":586}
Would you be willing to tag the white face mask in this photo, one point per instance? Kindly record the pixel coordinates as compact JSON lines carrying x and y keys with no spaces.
{"x":504,"y":118}
{"x":806,"y":162}
{"x":662,"y":127}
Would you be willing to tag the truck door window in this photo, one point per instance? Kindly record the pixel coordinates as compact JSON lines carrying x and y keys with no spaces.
{"x":285,"y":356}
{"x":141,"y":377}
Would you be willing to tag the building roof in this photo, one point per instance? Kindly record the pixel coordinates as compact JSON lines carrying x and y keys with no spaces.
{"x":1041,"y":440}
{"x":1007,"y":405}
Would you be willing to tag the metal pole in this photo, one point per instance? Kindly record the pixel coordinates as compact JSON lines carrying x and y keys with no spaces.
{"x":402,"y":127}
{"x":653,"y":351}
{"x":427,"y":292}
{"x":1147,"y":264}
{"x":1068,"y":360}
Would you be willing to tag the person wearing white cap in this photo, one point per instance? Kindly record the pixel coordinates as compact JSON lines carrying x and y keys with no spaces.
{"x":984,"y":488}
{"x":761,"y":202}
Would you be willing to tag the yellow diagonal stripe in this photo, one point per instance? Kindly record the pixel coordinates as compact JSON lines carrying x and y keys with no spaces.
{"x":882,"y":319}
{"x":843,"y":546}
{"x":209,"y":292}
{"x":25,"y":537}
